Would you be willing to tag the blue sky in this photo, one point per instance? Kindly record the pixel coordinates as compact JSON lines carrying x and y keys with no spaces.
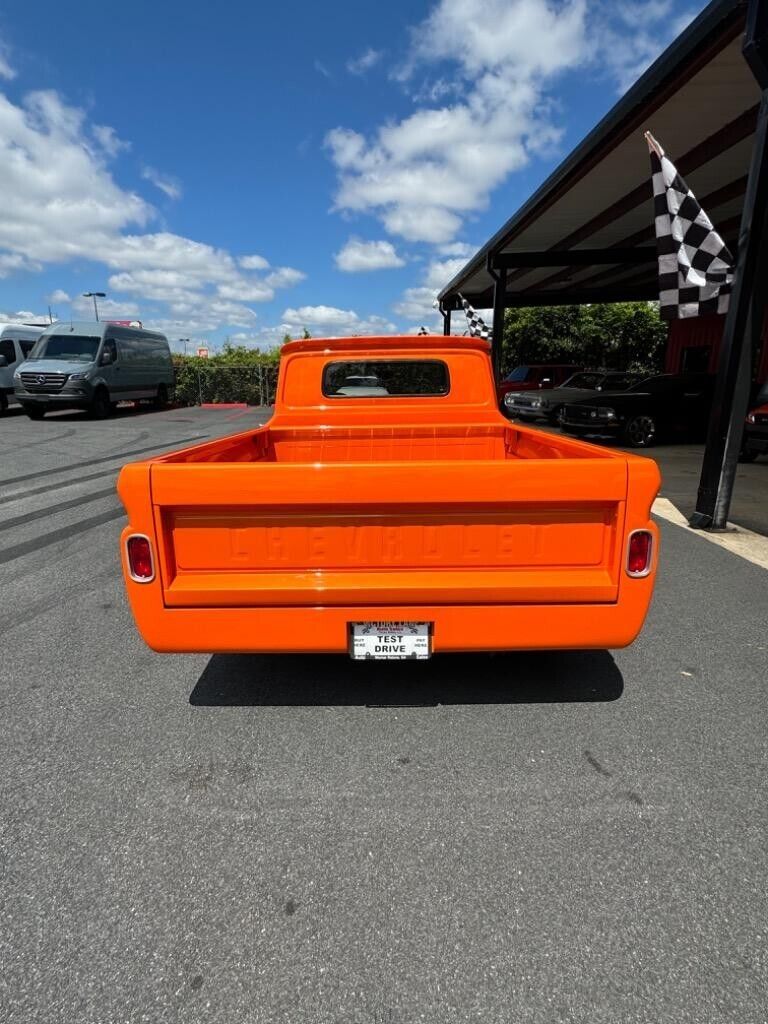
{"x":245,"y":169}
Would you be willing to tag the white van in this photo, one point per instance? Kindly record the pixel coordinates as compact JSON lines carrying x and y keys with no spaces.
{"x":16,"y":342}
{"x":81,"y":365}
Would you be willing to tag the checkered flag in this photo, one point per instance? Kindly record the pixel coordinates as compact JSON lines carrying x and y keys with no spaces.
{"x":695,"y":264}
{"x":477,"y":326}
{"x":423,"y":330}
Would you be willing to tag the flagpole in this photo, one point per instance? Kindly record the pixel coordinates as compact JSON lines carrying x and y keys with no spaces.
{"x":746,"y":308}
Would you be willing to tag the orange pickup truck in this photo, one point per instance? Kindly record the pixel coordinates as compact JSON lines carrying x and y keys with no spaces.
{"x":389,"y":510}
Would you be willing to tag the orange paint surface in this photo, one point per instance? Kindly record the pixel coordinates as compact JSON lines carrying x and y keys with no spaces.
{"x":389,"y":509}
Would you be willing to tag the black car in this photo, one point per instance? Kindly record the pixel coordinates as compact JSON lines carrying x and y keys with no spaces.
{"x":532,"y":405}
{"x":663,"y":406}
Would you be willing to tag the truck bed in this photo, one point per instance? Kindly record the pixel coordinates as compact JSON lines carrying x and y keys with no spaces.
{"x":487,"y":513}
{"x":481,"y":442}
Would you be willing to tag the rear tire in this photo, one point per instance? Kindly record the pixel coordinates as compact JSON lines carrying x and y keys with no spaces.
{"x":101,"y":406}
{"x":161,"y":399}
{"x":35,"y":412}
{"x":3,"y":403}
{"x":640,"y":431}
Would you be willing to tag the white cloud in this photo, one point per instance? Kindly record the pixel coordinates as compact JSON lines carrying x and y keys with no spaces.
{"x":71,"y":209}
{"x":56,"y":210}
{"x":164,"y":182}
{"x":464,"y":249}
{"x":358,"y":255}
{"x":284,"y":277}
{"x":11,"y":262}
{"x":108,"y":140}
{"x":109,"y":309}
{"x":487,"y":110}
{"x":59,"y":295}
{"x":23,"y":316}
{"x":419,"y":301}
{"x":253,"y":263}
{"x":364,"y":62}
{"x":246,"y":291}
{"x":331,"y":322}
{"x":423,"y":174}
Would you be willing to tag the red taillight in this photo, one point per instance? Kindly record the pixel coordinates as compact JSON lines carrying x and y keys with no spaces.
{"x":639,"y":553}
{"x":140,"y":559}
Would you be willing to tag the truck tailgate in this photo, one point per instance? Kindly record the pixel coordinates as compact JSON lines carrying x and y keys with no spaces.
{"x":293,"y":534}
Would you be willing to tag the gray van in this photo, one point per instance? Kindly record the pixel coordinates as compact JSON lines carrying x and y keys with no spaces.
{"x":16,"y":342}
{"x":93,"y":366}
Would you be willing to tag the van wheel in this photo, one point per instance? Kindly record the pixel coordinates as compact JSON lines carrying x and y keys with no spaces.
{"x":640,"y":432}
{"x":101,"y":406}
{"x":35,"y":412}
{"x":161,"y":398}
{"x":3,"y":403}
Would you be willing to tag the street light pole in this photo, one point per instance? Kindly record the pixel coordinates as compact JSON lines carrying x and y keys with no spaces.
{"x":94,"y":296}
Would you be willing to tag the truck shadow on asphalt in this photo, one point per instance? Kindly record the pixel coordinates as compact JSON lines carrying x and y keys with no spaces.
{"x":549,"y":677}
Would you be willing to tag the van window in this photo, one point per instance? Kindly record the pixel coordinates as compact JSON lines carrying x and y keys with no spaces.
{"x":382,"y":378}
{"x":7,"y":350}
{"x":111,"y":348}
{"x":26,"y":347}
{"x":78,"y":348}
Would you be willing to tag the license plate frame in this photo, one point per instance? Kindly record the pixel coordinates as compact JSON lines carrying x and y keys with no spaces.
{"x":404,"y":641}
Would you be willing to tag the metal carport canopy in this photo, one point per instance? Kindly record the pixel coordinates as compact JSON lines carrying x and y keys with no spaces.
{"x":587,"y":234}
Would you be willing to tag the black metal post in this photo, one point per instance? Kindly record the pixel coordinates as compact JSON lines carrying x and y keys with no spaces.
{"x":742,"y":325}
{"x":446,"y":315}
{"x":499,"y":305}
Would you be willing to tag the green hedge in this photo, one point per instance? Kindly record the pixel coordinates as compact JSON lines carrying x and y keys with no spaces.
{"x":223,"y":379}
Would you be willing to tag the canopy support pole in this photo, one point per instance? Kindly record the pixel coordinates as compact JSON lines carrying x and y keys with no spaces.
{"x":744,"y":320}
{"x":446,"y":315}
{"x":499,"y":276}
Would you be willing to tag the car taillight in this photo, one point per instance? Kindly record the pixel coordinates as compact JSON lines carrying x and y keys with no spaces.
{"x":639,"y":553}
{"x":140,"y":559}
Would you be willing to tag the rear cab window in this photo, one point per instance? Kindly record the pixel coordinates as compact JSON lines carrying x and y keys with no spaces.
{"x":386,"y":378}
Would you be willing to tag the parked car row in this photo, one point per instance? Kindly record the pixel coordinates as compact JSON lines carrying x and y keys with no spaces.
{"x":635,"y":409}
{"x":82,"y":365}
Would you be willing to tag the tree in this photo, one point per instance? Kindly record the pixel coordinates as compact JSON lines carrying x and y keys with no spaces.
{"x":617,"y":336}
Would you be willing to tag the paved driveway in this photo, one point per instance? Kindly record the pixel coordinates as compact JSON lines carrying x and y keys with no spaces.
{"x":529,"y":838}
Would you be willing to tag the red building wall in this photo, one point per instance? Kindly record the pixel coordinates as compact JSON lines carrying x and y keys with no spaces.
{"x":703,"y":334}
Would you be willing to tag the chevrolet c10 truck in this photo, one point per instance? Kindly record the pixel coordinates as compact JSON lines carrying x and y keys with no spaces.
{"x":389,"y":510}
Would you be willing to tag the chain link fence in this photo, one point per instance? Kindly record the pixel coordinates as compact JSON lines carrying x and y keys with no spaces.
{"x":201,"y":383}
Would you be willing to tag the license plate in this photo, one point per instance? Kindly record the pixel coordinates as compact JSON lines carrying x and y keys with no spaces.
{"x":390,"y":641}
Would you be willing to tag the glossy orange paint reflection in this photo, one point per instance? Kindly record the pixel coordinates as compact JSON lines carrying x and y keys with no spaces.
{"x":388,"y":509}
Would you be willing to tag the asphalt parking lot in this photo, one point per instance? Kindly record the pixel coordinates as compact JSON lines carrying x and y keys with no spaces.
{"x":575,"y":837}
